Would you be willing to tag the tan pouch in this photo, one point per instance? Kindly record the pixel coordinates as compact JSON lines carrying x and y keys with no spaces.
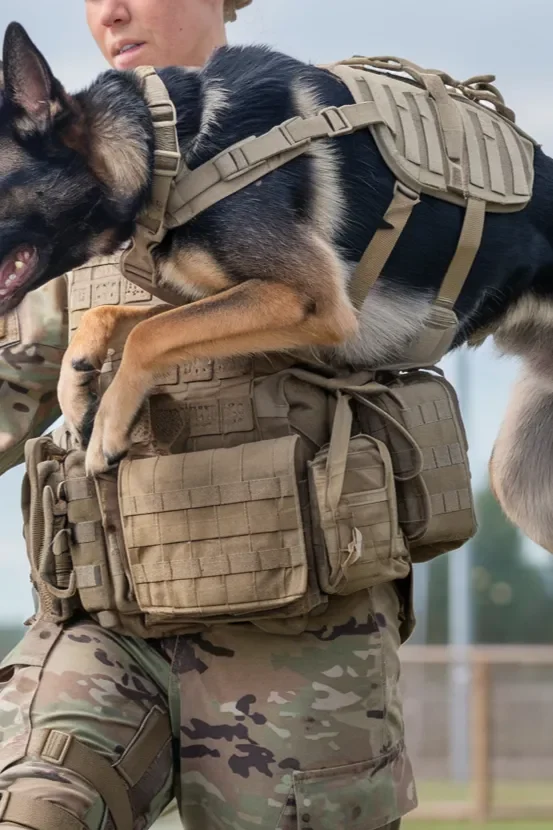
{"x":215,"y":532}
{"x":44,"y":521}
{"x":357,"y":537}
{"x":435,"y":502}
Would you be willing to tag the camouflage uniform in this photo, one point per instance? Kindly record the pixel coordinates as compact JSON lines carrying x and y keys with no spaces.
{"x":255,"y":730}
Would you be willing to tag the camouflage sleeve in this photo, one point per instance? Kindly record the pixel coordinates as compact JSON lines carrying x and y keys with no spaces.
{"x":33,"y":339}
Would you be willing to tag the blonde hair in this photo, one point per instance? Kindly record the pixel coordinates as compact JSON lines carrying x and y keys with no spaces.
{"x":232,"y":6}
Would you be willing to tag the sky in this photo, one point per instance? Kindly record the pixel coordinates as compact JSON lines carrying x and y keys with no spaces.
{"x":508,"y":38}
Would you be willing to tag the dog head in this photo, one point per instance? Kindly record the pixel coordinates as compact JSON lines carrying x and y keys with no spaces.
{"x":52,"y":207}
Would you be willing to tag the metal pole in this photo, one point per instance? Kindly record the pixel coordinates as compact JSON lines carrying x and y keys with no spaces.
{"x":421,"y":598}
{"x":460,"y":617}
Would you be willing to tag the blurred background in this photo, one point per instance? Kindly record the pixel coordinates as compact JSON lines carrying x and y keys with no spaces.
{"x":478,"y":672}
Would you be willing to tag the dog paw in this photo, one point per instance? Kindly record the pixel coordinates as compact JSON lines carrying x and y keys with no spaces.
{"x":108,"y":444}
{"x":78,"y":397}
{"x":113,"y":425}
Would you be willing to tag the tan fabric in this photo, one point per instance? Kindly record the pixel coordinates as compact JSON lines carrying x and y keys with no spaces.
{"x":233,"y":6}
{"x":61,"y":749}
{"x":136,"y":261}
{"x":433,"y":480}
{"x":356,"y":530}
{"x":467,"y":248}
{"x":382,"y":244}
{"x":432,"y":130}
{"x":36,"y":815}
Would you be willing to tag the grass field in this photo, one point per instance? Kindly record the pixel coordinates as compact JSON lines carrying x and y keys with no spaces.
{"x":505,"y":793}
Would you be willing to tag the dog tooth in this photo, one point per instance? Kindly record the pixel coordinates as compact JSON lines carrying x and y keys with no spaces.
{"x":19,"y":265}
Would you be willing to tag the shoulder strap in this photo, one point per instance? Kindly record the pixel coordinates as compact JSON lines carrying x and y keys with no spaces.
{"x":249,"y":160}
{"x":136,"y":261}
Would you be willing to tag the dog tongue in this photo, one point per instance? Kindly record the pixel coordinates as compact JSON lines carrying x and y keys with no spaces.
{"x":15,"y":269}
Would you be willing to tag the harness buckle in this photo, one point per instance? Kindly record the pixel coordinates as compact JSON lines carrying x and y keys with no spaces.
{"x":163,"y":114}
{"x":171,"y":168}
{"x":337,"y":122}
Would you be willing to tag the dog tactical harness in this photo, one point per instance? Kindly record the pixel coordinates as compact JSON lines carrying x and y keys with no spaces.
{"x":436,"y":134}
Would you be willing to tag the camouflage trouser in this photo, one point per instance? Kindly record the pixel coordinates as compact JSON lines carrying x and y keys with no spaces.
{"x":252,"y":731}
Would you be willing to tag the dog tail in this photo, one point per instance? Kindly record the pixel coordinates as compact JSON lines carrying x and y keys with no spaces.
{"x":521,"y":464}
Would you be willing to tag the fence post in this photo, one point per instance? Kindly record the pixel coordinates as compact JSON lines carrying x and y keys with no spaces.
{"x":481,"y":739}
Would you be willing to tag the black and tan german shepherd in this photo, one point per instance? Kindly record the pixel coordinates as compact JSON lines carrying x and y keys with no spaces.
{"x":267,"y":268}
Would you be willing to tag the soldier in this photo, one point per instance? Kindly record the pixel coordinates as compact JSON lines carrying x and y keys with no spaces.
{"x":249,"y":728}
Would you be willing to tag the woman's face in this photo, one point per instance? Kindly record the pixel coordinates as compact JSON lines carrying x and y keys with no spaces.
{"x":158,"y":33}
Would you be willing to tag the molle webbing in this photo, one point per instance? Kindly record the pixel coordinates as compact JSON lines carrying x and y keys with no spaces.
{"x":253,"y":496}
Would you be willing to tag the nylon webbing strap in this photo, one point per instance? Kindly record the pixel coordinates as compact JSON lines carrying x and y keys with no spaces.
{"x":338,"y":452}
{"x":249,"y":160}
{"x":136,"y":262}
{"x":36,"y":814}
{"x":154,"y":735}
{"x":467,"y":248}
{"x":64,"y":750}
{"x":383,"y":242}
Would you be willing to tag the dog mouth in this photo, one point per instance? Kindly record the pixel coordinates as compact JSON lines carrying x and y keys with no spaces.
{"x":16,"y":271}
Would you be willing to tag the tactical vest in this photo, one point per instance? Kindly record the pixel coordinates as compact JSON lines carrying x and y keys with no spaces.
{"x":257,"y":489}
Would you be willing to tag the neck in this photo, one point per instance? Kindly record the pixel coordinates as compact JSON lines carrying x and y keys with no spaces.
{"x":215,"y":38}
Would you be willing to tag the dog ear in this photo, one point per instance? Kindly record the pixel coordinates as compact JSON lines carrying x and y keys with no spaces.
{"x":29,"y":85}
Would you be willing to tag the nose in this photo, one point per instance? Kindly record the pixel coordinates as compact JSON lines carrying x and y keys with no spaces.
{"x":114,"y":12}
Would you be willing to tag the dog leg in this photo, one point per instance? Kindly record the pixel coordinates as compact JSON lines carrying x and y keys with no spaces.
{"x":521,"y":476}
{"x":98,"y":330}
{"x":255,"y":316}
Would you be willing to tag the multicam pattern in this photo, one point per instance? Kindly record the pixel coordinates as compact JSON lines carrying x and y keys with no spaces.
{"x":274,"y":732}
{"x":301,"y":732}
{"x":95,"y":686}
{"x":33,"y":339}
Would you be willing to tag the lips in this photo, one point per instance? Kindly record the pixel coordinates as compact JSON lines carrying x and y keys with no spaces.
{"x":126,"y":54}
{"x":16,"y":271}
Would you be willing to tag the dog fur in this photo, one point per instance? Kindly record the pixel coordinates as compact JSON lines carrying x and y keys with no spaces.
{"x":268,"y":268}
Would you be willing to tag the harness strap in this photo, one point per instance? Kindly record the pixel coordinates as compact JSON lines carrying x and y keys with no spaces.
{"x":39,"y":814}
{"x":136,"y":262}
{"x":55,"y":747}
{"x":249,"y":160}
{"x":383,"y":243}
{"x":154,"y":735}
{"x":467,"y":248}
